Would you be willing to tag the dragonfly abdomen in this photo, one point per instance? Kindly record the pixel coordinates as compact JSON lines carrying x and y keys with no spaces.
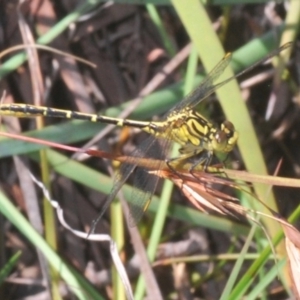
{"x":31,"y":111}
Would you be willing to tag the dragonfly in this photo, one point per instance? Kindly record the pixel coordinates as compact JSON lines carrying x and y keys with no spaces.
{"x":199,"y":138}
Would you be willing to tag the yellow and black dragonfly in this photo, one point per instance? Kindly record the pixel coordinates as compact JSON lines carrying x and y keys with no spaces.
{"x":198,"y":137}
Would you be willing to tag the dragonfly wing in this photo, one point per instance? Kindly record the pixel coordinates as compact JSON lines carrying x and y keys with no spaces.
{"x":206,"y":87}
{"x":145,"y":183}
{"x":142,"y":192}
{"x":120,"y":178}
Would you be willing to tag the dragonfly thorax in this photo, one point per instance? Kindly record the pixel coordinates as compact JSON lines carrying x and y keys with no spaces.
{"x":192,"y":131}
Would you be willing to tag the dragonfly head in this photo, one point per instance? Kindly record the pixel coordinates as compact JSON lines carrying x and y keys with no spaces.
{"x":225,"y":138}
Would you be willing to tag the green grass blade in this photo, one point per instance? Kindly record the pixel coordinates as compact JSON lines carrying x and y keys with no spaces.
{"x":8,"y":267}
{"x":74,"y":280}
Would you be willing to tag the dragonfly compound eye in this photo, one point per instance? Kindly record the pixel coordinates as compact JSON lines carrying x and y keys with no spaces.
{"x":219,"y":140}
{"x":225,"y":138}
{"x":228,"y":128}
{"x":231,"y":135}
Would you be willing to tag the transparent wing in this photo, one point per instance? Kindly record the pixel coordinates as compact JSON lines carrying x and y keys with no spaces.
{"x":142,"y":192}
{"x":144,"y":183}
{"x":206,"y":87}
{"x":119,"y":180}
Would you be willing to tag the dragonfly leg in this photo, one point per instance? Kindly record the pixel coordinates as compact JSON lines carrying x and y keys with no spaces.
{"x":169,"y":161}
{"x":204,"y":158}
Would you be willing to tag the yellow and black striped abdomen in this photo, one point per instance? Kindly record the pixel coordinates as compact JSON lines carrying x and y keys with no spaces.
{"x":32,"y":111}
